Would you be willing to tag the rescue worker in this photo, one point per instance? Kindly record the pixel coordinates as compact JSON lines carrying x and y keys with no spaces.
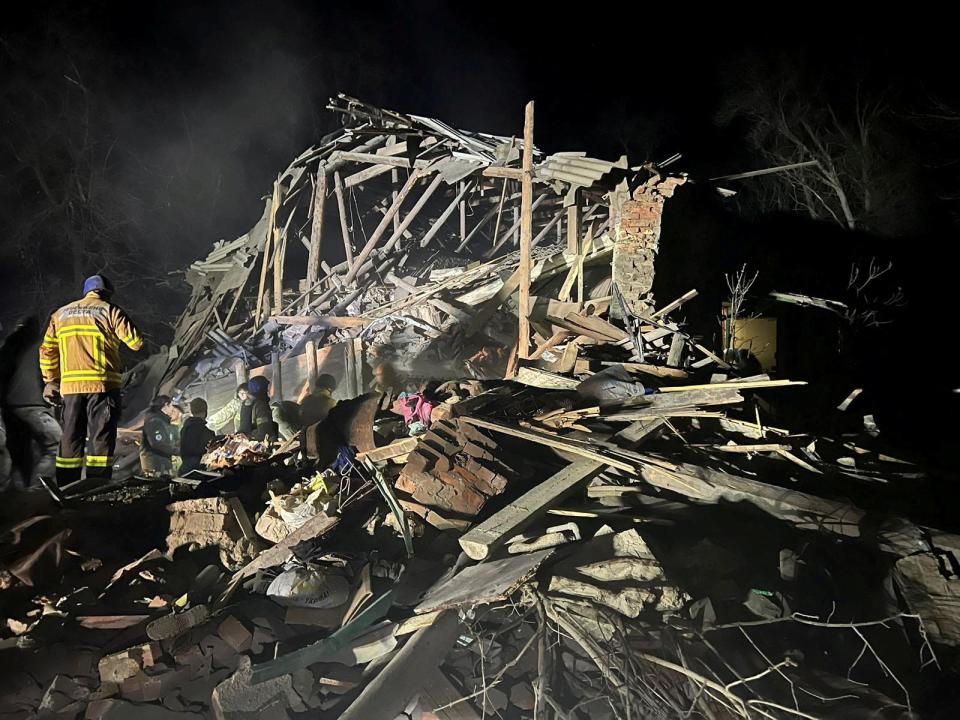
{"x":21,"y":393}
{"x":80,"y":364}
{"x":194,"y":436}
{"x":159,"y":441}
{"x":316,"y":400}
{"x":229,"y":414}
{"x":256,"y":416}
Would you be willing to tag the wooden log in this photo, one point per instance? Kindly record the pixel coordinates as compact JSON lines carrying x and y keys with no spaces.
{"x":316,"y":231}
{"x":342,"y":211}
{"x":265,"y":260}
{"x":241,"y":371}
{"x":394,"y":449}
{"x":276,"y":372}
{"x":526,"y":232}
{"x":479,"y":542}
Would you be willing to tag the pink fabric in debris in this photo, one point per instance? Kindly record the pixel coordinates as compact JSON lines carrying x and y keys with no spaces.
{"x":416,"y":407}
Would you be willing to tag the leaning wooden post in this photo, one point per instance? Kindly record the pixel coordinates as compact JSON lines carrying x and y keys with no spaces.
{"x":242,"y":371}
{"x":276,"y":376}
{"x":344,"y":227}
{"x":316,"y":231}
{"x":526,"y":233}
{"x":310,"y":350}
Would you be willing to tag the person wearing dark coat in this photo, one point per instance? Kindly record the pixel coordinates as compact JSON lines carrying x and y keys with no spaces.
{"x":194,"y":436}
{"x":256,"y":418}
{"x":21,"y":396}
{"x":159,"y":442}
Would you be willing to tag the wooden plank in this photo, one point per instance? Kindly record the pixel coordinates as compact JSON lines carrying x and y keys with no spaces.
{"x":670,"y":307}
{"x":573,"y":223}
{"x":334,"y":321}
{"x":738,"y":385}
{"x":342,"y":211}
{"x":483,"y":583}
{"x":417,"y":622}
{"x":550,"y":342}
{"x":535,"y":377}
{"x":503,"y":172}
{"x":394,"y":449}
{"x":382,"y":227}
{"x":480,"y":541}
{"x":526,"y":232}
{"x":675,"y":355}
{"x":640,"y":429}
{"x":316,"y":231}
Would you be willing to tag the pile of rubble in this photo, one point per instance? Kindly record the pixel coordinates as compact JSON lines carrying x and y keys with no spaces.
{"x":610,"y":523}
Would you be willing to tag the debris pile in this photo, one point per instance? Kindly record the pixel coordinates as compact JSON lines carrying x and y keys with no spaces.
{"x":612,"y":523}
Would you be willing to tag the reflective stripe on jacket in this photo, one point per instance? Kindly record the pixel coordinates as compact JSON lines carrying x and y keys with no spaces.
{"x":81,"y":347}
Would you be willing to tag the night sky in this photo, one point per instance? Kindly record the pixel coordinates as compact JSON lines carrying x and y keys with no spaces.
{"x":203,"y":103}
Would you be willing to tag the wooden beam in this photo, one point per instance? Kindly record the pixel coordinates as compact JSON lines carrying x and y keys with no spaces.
{"x":445,"y":215}
{"x":670,"y":307}
{"x":526,"y":232}
{"x":482,"y":540}
{"x":400,"y":228}
{"x":344,"y":226}
{"x":735,"y":384}
{"x":382,"y":227}
{"x":316,"y":231}
{"x":573,"y":224}
{"x":265,"y":263}
{"x":517,"y":223}
{"x":310,"y":352}
{"x":276,"y":372}
{"x":503,"y":172}
{"x":476,"y":228}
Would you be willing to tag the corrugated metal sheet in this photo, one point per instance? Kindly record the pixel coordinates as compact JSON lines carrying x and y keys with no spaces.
{"x":577,"y":169}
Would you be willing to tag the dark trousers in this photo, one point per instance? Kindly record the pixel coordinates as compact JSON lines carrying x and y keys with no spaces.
{"x":92,"y":416}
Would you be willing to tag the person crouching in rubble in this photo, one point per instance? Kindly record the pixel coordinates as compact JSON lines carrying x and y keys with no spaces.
{"x":316,"y":400}
{"x":229,"y":414}
{"x":194,"y":436}
{"x":21,"y":396}
{"x":159,"y":442}
{"x":256,"y":416}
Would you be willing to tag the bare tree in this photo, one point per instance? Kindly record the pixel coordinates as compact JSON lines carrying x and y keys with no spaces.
{"x":791,"y":118}
{"x":739,"y":285}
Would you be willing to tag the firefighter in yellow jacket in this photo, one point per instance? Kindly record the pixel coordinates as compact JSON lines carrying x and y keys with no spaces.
{"x":80,"y":364}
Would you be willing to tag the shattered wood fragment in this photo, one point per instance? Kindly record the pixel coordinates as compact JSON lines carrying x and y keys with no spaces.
{"x":479,"y":542}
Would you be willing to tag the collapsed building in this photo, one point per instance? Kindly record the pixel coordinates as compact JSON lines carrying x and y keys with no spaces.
{"x":559,"y":503}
